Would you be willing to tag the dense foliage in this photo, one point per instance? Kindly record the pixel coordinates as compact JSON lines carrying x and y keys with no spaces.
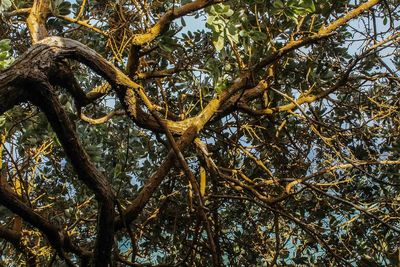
{"x":199,"y":133}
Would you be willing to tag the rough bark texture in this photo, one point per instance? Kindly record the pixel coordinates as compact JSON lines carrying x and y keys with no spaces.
{"x":33,"y":78}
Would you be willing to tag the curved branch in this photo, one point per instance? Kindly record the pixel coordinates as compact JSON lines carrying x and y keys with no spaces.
{"x":309,"y":230}
{"x":164,"y":22}
{"x":44,"y":97}
{"x":158,"y":73}
{"x":324,"y":32}
{"x":350,"y":15}
{"x":18,"y":12}
{"x":83,"y":23}
{"x":56,"y":48}
{"x":102,"y":119}
{"x":290,"y":185}
{"x":55,"y":235}
{"x":357,"y":207}
{"x":28,"y":77}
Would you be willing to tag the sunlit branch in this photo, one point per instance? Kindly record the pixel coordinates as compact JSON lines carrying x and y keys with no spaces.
{"x":18,"y":12}
{"x":290,"y":185}
{"x":83,"y":23}
{"x":324,"y":32}
{"x":15,"y":238}
{"x":172,"y":14}
{"x":103,"y":119}
{"x":59,"y":239}
{"x":351,"y":204}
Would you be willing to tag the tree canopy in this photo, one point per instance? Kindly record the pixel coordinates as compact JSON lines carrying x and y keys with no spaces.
{"x":199,"y":133}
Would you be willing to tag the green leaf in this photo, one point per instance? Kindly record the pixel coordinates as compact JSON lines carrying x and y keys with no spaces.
{"x":220,"y":86}
{"x":229,"y":13}
{"x":309,"y":5}
{"x":219,"y":21}
{"x":62,"y":8}
{"x":258,"y":36}
{"x":183,"y":22}
{"x":243,"y":33}
{"x":3,"y":55}
{"x":221,"y":8}
{"x":278,"y":4}
{"x":212,"y":10}
{"x":299,"y":11}
{"x":117,"y":170}
{"x":4,"y":5}
{"x":289,"y":13}
{"x":2,"y":121}
{"x":213,"y":67}
{"x":166,"y":48}
{"x":5,"y":44}
{"x":227,"y":67}
{"x":232,"y":33}
{"x":210,"y":20}
{"x":219,"y":42}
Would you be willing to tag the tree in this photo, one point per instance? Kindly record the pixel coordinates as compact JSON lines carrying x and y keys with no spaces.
{"x":199,"y":133}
